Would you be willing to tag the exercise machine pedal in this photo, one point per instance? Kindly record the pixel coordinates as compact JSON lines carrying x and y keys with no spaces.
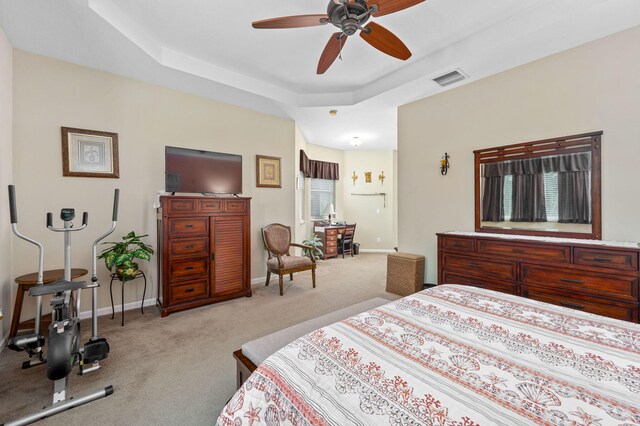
{"x":95,"y":350}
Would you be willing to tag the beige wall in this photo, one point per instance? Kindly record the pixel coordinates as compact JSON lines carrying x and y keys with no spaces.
{"x":50,"y":93}
{"x":374,"y":220}
{"x":6,"y":178}
{"x":588,"y":88}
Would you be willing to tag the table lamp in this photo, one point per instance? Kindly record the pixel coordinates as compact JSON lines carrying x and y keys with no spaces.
{"x":330,"y":210}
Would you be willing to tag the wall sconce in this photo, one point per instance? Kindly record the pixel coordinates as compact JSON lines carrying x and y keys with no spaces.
{"x":444,"y":164}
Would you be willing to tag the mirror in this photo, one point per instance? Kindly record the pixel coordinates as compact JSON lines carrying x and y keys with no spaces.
{"x":546,"y":188}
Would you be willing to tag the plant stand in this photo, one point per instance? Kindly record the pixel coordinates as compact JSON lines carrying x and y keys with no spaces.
{"x":115,"y":277}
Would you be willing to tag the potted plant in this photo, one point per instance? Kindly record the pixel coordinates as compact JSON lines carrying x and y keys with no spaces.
{"x":121,"y":255}
{"x":315,"y":242}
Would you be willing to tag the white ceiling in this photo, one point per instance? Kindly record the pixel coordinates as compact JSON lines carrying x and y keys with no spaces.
{"x":209,"y":48}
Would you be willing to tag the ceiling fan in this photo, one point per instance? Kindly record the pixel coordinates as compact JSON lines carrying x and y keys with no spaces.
{"x":350,"y":16}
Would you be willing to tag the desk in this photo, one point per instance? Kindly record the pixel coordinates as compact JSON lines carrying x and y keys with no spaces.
{"x":329,"y":235}
{"x":25,"y":282}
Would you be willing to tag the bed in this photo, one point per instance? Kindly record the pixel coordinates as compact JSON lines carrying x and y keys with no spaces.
{"x":451,"y":355}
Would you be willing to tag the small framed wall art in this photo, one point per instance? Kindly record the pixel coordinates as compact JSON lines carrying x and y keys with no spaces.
{"x":89,"y":153}
{"x":268,"y":172}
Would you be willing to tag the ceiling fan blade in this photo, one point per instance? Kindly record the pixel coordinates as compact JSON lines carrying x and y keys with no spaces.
{"x":331,"y":52}
{"x":385,"y":41}
{"x":386,"y":7}
{"x":291,"y":21}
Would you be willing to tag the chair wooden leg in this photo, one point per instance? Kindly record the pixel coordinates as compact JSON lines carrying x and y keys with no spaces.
{"x":290,"y":277}
{"x":313,"y":277}
{"x":280,"y":281}
{"x":268,"y":278}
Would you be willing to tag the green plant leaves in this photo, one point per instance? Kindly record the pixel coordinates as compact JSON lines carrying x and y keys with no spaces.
{"x":124,"y":252}
{"x":314,"y":241}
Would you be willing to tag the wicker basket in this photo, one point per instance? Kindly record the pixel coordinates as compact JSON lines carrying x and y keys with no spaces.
{"x":405,"y":273}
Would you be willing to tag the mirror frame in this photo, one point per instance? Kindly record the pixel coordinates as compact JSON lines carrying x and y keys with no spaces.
{"x":586,"y":142}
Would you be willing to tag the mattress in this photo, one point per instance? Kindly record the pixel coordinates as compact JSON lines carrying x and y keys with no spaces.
{"x":451,"y":355}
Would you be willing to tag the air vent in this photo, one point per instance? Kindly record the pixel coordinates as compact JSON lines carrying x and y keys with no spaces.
{"x":449,"y":78}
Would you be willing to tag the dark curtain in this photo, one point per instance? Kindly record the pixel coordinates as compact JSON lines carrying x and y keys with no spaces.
{"x":493,"y":192}
{"x":318,"y":169}
{"x":527,"y":198}
{"x":574,"y":197}
{"x":493,"y":199}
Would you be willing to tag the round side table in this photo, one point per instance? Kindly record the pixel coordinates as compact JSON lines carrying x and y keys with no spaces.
{"x":25,"y":282}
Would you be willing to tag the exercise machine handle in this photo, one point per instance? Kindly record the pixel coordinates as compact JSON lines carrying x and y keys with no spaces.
{"x":12,"y":204}
{"x":49,"y":220}
{"x":94,"y":257}
{"x":116,"y":200}
{"x":85,"y":219}
{"x":14,"y":227}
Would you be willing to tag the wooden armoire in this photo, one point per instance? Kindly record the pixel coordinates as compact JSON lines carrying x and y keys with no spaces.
{"x":204,"y":251}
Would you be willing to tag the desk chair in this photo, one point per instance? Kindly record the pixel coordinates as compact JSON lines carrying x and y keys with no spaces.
{"x":347,"y":239}
{"x":277,"y":241}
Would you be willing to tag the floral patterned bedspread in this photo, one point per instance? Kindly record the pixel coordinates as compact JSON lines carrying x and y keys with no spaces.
{"x":451,"y":355}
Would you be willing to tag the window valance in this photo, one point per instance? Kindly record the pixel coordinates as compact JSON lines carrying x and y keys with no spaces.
{"x":530,"y":166}
{"x":318,"y":169}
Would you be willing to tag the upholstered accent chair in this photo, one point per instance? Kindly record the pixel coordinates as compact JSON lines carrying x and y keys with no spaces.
{"x":347,"y":239}
{"x":277,"y":242}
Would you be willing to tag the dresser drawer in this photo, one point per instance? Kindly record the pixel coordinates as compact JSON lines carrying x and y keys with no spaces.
{"x":613,"y":259}
{"x":331,"y":243}
{"x":179,"y":205}
{"x":331,"y":232}
{"x":330,"y":251}
{"x":497,"y":285}
{"x":211,"y":205}
{"x":458,"y":244}
{"x":618,"y":310}
{"x":189,"y":247}
{"x":485,"y":268}
{"x":524,"y":251}
{"x":187,"y":292}
{"x":190,"y":226}
{"x":180,"y":270}
{"x":235,"y":206}
{"x":590,"y":283}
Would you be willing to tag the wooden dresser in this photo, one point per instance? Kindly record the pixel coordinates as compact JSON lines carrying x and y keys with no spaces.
{"x":204,"y":251}
{"x":597,"y":277}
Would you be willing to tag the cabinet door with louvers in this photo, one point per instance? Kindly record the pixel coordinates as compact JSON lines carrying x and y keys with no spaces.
{"x":229,"y":254}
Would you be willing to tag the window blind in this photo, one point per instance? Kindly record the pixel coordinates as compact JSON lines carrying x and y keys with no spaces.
{"x":322,"y":194}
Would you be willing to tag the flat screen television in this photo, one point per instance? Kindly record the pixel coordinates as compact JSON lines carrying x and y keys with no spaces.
{"x":194,"y":170}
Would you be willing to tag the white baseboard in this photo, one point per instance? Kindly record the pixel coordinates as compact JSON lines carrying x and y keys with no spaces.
{"x":261,"y":280}
{"x":118,"y":308}
{"x":377,"y":250}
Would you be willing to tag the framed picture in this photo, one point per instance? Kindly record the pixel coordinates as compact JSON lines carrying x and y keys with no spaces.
{"x":267,"y":172}
{"x":89,"y":153}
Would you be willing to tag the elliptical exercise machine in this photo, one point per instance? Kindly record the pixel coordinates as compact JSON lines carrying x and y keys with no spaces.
{"x":64,"y":350}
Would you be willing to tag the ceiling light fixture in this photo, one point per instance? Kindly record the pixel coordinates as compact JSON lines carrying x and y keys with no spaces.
{"x":333,"y":112}
{"x":356,"y":141}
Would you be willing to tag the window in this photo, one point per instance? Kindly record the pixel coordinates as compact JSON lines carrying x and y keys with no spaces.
{"x":322,"y":194}
{"x":550,"y":196}
{"x":301,"y":198}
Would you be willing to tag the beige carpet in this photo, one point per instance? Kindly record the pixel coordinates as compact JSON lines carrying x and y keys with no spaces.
{"x":180,"y":369}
